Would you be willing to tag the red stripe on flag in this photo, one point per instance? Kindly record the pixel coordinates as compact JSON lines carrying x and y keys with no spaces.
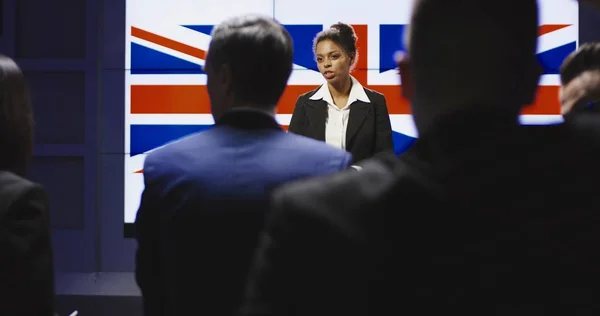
{"x":362,"y":48}
{"x":190,"y":99}
{"x":167,"y":42}
{"x":546,"y":102}
{"x":169,"y":99}
{"x":548,"y":28}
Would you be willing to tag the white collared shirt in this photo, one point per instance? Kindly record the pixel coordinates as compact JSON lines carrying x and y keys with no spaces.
{"x":336,"y":123}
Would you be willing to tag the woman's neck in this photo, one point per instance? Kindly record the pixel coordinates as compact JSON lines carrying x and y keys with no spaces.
{"x":341,"y":89}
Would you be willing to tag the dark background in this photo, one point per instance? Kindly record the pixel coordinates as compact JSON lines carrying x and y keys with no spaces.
{"x":72,"y":53}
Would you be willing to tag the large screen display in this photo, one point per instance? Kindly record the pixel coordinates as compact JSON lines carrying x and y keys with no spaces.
{"x":166,"y":43}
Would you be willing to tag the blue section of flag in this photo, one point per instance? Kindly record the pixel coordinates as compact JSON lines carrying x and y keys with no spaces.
{"x":552,"y":59}
{"x":146,"y":60}
{"x":144,"y":138}
{"x":204,"y":29}
{"x":390,"y":42}
{"x":303,"y":36}
{"x":402,"y":142}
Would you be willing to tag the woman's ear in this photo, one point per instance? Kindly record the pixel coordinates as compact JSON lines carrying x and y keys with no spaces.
{"x":352,"y":59}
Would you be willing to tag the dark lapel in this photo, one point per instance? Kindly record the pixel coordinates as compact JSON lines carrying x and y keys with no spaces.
{"x":248,"y":119}
{"x":316,"y":114}
{"x":359,"y":111}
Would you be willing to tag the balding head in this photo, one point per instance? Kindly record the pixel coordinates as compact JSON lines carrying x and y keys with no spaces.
{"x":581,"y":90}
{"x":472,"y":52}
{"x":580,"y":78}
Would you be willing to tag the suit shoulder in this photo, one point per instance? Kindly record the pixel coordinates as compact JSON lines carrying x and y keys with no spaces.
{"x":372,"y":94}
{"x":340,"y":204}
{"x":166,"y":153}
{"x":157,"y":157}
{"x":341,"y":192}
{"x":14,"y":184}
{"x":305,"y":96}
{"x":168,"y":157}
{"x":14,"y":188}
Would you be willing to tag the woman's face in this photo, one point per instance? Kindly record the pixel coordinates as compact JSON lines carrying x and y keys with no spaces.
{"x":333,"y":62}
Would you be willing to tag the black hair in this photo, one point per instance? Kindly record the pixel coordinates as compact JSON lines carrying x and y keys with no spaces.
{"x":343,"y":35}
{"x":16,"y":119}
{"x":454,"y":44}
{"x":259,"y":53}
{"x":587,"y":57}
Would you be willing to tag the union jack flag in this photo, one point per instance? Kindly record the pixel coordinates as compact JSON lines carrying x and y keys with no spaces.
{"x":166,"y":96}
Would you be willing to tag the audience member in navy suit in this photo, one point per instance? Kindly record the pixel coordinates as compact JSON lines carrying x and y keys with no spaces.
{"x":206,"y":195}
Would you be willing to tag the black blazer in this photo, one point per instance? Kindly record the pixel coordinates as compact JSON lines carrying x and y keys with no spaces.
{"x":504,"y":217}
{"x":369,"y":129}
{"x":26,"y":264}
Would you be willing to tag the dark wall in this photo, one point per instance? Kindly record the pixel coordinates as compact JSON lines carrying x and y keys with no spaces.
{"x":589,"y":24}
{"x":72,"y":52}
{"x":55,"y":43}
{"x":116,"y":251}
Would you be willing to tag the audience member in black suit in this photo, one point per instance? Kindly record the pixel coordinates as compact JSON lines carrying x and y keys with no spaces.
{"x":481,"y":217}
{"x":26,"y":273}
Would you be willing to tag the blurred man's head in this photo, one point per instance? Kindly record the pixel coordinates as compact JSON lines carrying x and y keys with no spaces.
{"x":470,"y":53}
{"x":580,"y":79}
{"x":591,"y":3}
{"x":16,"y":119}
{"x":248,"y":64}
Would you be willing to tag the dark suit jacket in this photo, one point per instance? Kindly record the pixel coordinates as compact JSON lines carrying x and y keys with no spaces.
{"x":481,"y":217}
{"x":203,"y":206}
{"x":26,"y":268}
{"x":369,"y":130}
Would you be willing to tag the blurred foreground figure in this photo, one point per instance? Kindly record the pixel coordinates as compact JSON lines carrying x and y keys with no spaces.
{"x":593,"y":3}
{"x":26,"y":268}
{"x":482,"y":216}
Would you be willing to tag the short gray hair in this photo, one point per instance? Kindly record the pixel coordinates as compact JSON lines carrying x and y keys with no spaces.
{"x":259,"y":52}
{"x":585,"y":58}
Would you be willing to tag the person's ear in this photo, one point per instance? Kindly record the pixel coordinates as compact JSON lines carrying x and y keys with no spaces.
{"x":352,"y":59}
{"x":406,"y":79}
{"x":224,"y":76}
